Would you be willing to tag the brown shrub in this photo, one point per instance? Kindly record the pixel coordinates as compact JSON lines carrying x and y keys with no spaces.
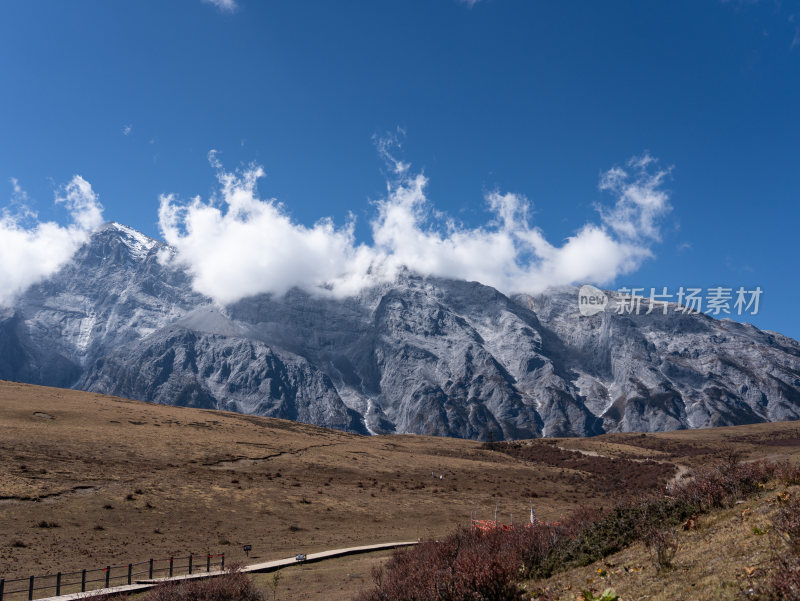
{"x":724,"y":484}
{"x":784,"y":582}
{"x":787,"y":523}
{"x":232,"y":586}
{"x":788,"y":473}
{"x":473,"y":565}
{"x":46,"y":524}
{"x":608,"y":475}
{"x":468,"y":565}
{"x":662,"y":543}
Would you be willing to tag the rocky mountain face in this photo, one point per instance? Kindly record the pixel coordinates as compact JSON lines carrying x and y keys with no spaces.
{"x":419,"y":355}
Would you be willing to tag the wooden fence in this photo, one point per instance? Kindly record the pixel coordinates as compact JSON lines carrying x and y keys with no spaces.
{"x":62,"y":583}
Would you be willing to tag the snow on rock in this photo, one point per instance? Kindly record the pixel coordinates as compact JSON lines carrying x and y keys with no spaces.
{"x":420,"y":355}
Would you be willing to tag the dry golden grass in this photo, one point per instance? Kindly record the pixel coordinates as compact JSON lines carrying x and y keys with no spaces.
{"x":338,"y":579}
{"x":126,"y":481}
{"x":164,"y":481}
{"x":725,"y":554}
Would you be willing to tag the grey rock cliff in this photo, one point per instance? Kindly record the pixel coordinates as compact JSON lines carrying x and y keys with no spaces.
{"x":420,"y":355}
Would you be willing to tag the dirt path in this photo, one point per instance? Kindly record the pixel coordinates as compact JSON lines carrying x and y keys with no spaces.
{"x":681,"y":470}
{"x":585,"y":452}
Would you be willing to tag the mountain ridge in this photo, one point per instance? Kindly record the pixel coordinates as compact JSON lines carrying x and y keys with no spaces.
{"x":417,"y":355}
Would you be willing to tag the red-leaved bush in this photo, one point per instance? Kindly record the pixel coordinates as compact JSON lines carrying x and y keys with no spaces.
{"x":487,"y":566}
{"x":724,"y":484}
{"x":232,"y":586}
{"x":788,"y":473}
{"x":469,"y":565}
{"x":784,"y":583}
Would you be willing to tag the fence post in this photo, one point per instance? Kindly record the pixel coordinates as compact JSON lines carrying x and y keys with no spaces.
{"x":83,"y":580}
{"x":130,"y":572}
{"x":108,"y":576}
{"x":223,"y":562}
{"x":208,"y":563}
{"x":58,"y":584}
{"x":30,"y":589}
{"x":190,"y":563}
{"x":170,"y":566}
{"x":150,"y":575}
{"x":2,"y":586}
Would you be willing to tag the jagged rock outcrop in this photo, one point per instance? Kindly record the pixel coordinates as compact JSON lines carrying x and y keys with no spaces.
{"x":421,"y":355}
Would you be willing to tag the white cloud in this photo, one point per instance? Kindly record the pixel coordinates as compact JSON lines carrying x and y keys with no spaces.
{"x":387,"y":146}
{"x":469,"y":3}
{"x":226,"y":6}
{"x":126,"y":131}
{"x":33,"y":250}
{"x":19,"y":195}
{"x":82,"y":203}
{"x":213,"y":160}
{"x":253,"y":246}
{"x":238,"y":245}
{"x":641,"y":201}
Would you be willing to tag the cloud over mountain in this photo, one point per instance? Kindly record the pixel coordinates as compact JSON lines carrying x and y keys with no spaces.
{"x":32,"y":250}
{"x":238,"y":245}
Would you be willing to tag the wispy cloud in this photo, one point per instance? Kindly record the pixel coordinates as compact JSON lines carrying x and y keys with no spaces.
{"x":776,"y":9}
{"x":226,"y":6}
{"x":469,"y":3}
{"x":33,"y":250}
{"x":126,"y":131}
{"x":387,"y":146}
{"x":641,"y":199}
{"x":237,"y":245}
{"x":18,"y":195}
{"x":18,"y":208}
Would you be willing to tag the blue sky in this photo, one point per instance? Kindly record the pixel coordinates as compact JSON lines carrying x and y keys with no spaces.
{"x":539,"y":100}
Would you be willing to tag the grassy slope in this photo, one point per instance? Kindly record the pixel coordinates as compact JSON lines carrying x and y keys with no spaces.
{"x":211,"y":481}
{"x":208,"y":481}
{"x":718,"y":560}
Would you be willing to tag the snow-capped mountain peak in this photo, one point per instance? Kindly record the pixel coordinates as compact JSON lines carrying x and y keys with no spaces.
{"x":138,"y":243}
{"x":421,"y":355}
